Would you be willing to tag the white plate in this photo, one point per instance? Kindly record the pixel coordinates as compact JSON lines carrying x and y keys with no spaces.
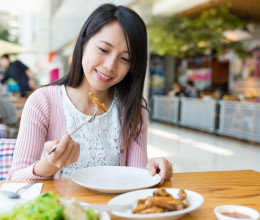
{"x":195,"y":201}
{"x":114,"y":179}
{"x":5,"y":208}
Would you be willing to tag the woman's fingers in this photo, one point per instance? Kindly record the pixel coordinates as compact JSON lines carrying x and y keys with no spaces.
{"x":66,"y":157}
{"x":49,"y":145}
{"x":75,"y":153}
{"x":161,"y":166}
{"x":61,"y":148}
{"x":66,"y":153}
{"x":150,"y":166}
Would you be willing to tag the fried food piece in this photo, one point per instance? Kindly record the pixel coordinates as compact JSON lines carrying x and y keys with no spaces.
{"x":165,"y":202}
{"x":140,"y":206}
{"x":97,"y":103}
{"x":161,"y":192}
{"x":153,"y":209}
{"x":161,"y":201}
{"x":183,"y":196}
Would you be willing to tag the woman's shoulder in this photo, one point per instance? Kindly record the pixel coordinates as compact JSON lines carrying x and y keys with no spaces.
{"x":49,"y":88}
{"x":49,"y":92}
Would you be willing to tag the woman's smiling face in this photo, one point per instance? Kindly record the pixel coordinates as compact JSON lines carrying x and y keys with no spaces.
{"x":106,"y":59}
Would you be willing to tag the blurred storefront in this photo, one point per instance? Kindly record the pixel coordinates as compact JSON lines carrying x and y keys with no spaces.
{"x":229,"y":86}
{"x":231,"y":74}
{"x":245,"y":74}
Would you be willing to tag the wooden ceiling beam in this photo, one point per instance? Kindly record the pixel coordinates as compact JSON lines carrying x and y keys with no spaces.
{"x":249,"y":9}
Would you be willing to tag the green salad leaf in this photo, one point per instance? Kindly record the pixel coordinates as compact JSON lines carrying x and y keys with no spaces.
{"x":47,"y":206}
{"x":91,"y":215}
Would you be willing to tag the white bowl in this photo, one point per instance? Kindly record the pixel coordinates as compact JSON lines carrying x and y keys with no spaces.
{"x":251,"y":213}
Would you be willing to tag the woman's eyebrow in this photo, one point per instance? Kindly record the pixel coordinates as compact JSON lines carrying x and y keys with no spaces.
{"x":109,"y":44}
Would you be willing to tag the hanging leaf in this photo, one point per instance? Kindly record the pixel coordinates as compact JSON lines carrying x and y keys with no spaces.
{"x":182,"y":37}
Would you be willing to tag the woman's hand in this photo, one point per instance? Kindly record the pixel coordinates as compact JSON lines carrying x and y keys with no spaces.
{"x":161,"y":166}
{"x":66,"y":153}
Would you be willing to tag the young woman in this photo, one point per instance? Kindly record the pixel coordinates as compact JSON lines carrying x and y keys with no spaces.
{"x":109,"y":60}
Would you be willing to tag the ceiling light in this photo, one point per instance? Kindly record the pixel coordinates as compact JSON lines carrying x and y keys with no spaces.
{"x":236,"y":35}
{"x":170,"y":7}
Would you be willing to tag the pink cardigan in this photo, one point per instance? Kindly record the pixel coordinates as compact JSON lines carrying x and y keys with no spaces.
{"x":43,"y":120}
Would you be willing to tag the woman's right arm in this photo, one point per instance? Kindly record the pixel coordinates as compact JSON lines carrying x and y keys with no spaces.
{"x":31,"y":137}
{"x":27,"y":162}
{"x":66,"y":153}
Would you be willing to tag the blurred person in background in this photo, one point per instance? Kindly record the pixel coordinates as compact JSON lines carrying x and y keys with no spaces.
{"x":176,"y":90}
{"x":8,"y":111}
{"x":190,"y":90}
{"x":19,"y":72}
{"x":109,"y":60}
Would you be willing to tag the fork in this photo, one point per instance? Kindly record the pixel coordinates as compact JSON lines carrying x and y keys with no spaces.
{"x":73,"y":132}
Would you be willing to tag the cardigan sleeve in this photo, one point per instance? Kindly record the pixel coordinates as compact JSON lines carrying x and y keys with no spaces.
{"x":137,"y":152}
{"x":31,"y":138}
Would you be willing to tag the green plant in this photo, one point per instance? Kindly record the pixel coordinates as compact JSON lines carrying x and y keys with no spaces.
{"x":182,"y":37}
{"x":4,"y":34}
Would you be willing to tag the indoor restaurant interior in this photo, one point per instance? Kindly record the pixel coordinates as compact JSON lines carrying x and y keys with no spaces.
{"x":180,"y":141}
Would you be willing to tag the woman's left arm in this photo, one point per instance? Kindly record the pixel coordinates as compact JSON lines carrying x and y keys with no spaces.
{"x":137,"y":155}
{"x":137,"y":152}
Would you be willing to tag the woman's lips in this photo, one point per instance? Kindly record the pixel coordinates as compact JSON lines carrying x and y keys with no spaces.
{"x":102,"y":77}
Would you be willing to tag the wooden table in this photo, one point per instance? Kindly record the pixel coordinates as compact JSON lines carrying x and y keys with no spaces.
{"x":18,"y":102}
{"x":217,"y":187}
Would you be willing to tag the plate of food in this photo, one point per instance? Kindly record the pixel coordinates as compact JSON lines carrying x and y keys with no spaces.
{"x":49,"y":206}
{"x":114,"y":179}
{"x":162,"y":203}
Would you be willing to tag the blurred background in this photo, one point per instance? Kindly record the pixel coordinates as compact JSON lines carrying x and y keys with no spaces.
{"x":203,"y":73}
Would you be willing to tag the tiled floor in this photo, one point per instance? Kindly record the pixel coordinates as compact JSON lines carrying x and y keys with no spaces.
{"x":194,"y":151}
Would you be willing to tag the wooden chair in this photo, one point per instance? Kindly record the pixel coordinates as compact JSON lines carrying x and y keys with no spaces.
{"x":6,"y":156}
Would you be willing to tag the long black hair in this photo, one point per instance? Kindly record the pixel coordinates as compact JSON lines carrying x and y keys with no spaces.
{"x":130,"y":89}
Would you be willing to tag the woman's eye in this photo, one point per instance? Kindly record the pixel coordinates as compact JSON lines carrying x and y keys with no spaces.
{"x":103,"y":50}
{"x":126,"y":60}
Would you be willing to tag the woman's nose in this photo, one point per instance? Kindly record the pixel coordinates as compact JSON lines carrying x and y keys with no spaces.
{"x":110,"y":63}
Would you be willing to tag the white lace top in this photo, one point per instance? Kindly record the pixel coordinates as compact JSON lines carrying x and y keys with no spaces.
{"x":99,"y":140}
